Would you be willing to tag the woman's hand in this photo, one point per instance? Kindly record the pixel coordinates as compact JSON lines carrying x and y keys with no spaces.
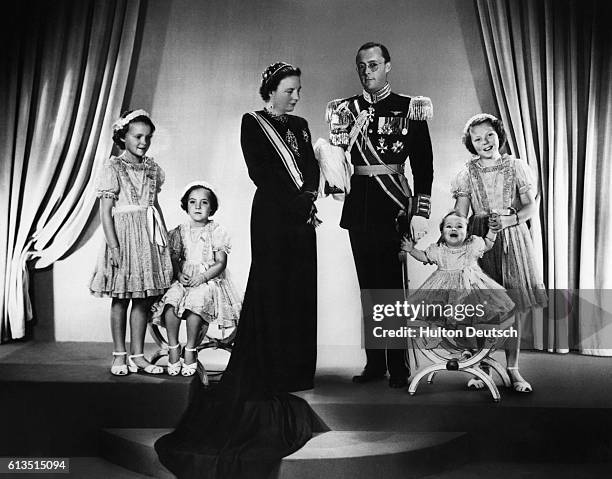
{"x":301,"y":206}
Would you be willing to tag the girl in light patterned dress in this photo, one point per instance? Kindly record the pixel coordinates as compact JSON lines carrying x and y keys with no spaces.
{"x":202,"y":292}
{"x":500,"y":191}
{"x":134,"y":264}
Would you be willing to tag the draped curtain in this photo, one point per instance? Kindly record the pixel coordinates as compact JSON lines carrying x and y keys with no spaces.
{"x":64,"y":72}
{"x":551,"y":66}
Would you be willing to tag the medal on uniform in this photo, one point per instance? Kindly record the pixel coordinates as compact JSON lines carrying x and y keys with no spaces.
{"x":382,"y":147}
{"x":384,"y":125}
{"x":370,"y":113}
{"x":388,"y":125}
{"x":404,"y":126}
{"x":397,"y":147}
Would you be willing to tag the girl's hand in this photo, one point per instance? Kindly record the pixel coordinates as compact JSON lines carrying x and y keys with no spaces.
{"x":115,"y":256}
{"x":407,"y":244}
{"x":495,"y":222}
{"x":504,"y":221}
{"x":197,"y":280}
{"x":184,"y":278}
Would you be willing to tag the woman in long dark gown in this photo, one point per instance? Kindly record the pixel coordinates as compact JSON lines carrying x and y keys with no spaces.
{"x":244,"y":425}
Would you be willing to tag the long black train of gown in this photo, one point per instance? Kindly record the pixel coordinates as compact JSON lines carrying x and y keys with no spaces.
{"x":249,"y":421}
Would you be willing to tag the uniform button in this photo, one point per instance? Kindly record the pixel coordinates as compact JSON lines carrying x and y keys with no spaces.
{"x":369,"y":131}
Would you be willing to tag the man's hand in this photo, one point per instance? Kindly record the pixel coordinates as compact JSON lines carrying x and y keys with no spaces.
{"x":418,"y":227}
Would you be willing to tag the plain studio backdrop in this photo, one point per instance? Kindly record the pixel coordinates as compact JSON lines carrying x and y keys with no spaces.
{"x":198,"y":70}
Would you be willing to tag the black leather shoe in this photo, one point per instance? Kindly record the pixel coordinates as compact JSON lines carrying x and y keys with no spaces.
{"x":397,"y":382}
{"x":366,"y":377}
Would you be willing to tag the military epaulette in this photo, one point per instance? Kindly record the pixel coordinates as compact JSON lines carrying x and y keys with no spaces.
{"x":332,"y":106}
{"x":420,"y":108}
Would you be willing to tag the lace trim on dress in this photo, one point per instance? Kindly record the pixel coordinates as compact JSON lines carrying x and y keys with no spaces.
{"x":506,"y":167}
{"x":150,"y":172}
{"x":107,"y":194}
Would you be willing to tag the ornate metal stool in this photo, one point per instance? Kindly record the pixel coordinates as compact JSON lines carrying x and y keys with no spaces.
{"x":448,"y":353}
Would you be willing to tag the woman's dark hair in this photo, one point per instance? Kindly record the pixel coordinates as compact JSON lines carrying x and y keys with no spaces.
{"x":479,"y":119}
{"x":367,"y":46}
{"x":214,"y":202}
{"x":273,"y":75}
{"x":119,"y":133}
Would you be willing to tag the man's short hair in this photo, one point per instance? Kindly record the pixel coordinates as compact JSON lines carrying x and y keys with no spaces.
{"x":383,"y":49}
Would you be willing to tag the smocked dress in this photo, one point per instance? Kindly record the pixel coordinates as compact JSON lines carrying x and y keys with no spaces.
{"x":459,"y":280}
{"x":511,"y":261}
{"x":145,"y":269}
{"x":193,"y":248}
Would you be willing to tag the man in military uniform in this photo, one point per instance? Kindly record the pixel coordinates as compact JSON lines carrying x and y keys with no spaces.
{"x":379,"y":130}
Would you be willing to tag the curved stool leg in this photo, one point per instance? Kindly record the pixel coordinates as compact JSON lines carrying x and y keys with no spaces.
{"x":485,"y":379}
{"x":203,"y":374}
{"x":500,"y":370}
{"x":157,"y":355}
{"x":414,"y":384}
{"x":161,"y":342}
{"x":430,"y":378}
{"x":480,"y":356}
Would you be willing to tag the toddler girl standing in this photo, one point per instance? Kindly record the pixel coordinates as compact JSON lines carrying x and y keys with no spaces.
{"x":459,"y":279}
{"x":202,"y":292}
{"x":134,"y":265}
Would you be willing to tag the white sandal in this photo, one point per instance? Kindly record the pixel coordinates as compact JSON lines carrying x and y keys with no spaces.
{"x":190,"y":369}
{"x":520,"y":386}
{"x":119,"y":369}
{"x":174,"y":369}
{"x":148,"y":369}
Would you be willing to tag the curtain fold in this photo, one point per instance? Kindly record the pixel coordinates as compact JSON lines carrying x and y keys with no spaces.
{"x":64,"y":78}
{"x":550,"y":63}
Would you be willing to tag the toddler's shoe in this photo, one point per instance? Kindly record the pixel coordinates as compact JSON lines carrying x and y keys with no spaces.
{"x":174,"y":369}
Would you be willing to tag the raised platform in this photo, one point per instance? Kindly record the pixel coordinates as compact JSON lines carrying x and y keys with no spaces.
{"x":355,"y":454}
{"x":58,"y":397}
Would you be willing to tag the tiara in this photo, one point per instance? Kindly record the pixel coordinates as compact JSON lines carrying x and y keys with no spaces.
{"x":273,"y":69}
{"x":121,"y":122}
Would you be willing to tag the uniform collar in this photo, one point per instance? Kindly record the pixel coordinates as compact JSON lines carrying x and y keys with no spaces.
{"x":381,"y":94}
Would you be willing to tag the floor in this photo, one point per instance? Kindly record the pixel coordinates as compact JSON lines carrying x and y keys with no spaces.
{"x":572,"y":393}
